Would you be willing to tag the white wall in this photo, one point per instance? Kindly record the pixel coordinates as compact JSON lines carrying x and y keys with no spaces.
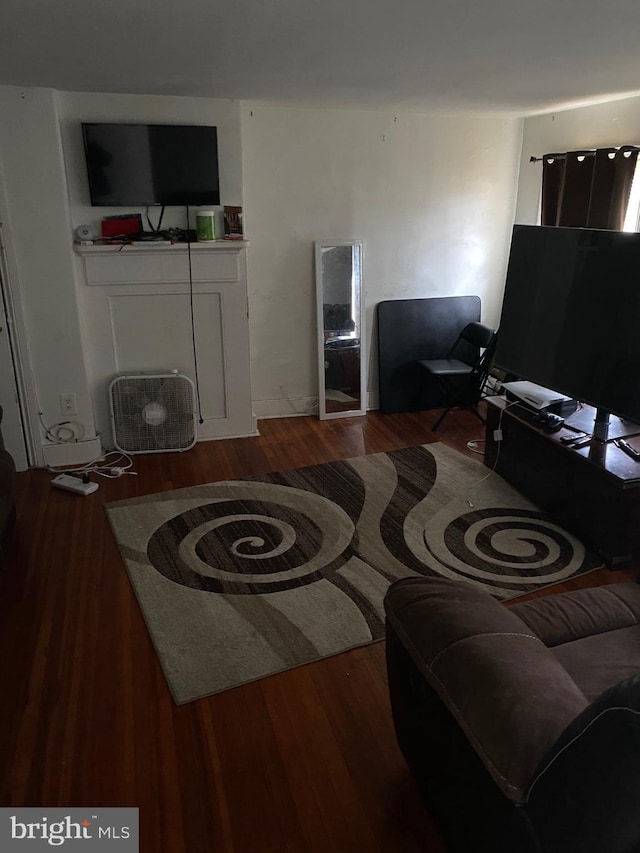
{"x":432,"y":197}
{"x":611,"y":124}
{"x":39,"y":233}
{"x":46,"y":195}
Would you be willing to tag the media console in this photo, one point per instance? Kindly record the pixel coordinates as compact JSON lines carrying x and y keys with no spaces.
{"x":593,"y":491}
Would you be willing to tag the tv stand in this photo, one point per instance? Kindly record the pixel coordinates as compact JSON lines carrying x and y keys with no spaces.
{"x":593,"y":491}
{"x":593,"y":421}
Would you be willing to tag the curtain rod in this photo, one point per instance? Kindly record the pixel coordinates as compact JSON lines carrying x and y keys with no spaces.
{"x":589,"y":153}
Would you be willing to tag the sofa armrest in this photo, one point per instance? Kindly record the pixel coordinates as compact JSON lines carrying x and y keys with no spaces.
{"x":509,"y":694}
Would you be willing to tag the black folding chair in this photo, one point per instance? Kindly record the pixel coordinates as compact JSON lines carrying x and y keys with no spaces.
{"x":463,"y":374}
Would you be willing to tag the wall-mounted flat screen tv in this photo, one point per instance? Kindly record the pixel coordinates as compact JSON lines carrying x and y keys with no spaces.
{"x":145,"y":164}
{"x":571,"y":315}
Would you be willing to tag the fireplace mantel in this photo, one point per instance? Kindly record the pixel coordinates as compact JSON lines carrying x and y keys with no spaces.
{"x":136,"y":307}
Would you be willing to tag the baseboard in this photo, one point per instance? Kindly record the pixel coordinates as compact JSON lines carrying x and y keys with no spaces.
{"x":219,"y":437}
{"x":71,"y":453}
{"x":285,"y":408}
{"x":298,"y":406}
{"x":214,"y":429}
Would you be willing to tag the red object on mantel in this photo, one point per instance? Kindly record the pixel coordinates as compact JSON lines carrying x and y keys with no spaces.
{"x":121,"y":226}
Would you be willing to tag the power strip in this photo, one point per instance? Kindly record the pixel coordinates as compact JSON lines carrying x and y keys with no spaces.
{"x":73,"y":484}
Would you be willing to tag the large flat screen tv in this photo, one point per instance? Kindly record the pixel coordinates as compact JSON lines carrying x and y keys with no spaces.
{"x":571,"y":315}
{"x":145,"y":164}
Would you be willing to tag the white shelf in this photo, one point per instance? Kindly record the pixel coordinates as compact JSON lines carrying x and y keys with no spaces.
{"x":178,"y":248}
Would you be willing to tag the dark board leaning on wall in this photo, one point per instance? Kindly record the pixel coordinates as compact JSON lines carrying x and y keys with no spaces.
{"x":414,"y":329}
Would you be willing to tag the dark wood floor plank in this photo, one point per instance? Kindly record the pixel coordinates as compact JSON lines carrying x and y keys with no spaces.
{"x":260,"y":801}
{"x":353,"y":692}
{"x":302,"y":762}
{"x":328,"y":803}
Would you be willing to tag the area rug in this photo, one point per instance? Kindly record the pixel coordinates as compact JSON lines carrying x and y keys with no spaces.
{"x":242,"y":579}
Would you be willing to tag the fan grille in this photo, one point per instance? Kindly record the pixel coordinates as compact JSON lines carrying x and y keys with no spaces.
{"x":153,"y":413}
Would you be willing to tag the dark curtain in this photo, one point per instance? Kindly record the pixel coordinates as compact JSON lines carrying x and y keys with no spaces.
{"x":588,"y":189}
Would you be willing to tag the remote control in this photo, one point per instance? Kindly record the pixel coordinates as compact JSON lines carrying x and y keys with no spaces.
{"x":552,"y":423}
{"x":630,"y":451}
{"x":581,"y":442}
{"x":73,"y":484}
{"x":570,"y":439}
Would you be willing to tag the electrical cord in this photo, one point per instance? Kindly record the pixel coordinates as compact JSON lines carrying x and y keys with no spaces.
{"x":193,"y":325}
{"x":63,"y":432}
{"x":498,"y":440}
{"x":157,"y":227}
{"x":103,"y":466}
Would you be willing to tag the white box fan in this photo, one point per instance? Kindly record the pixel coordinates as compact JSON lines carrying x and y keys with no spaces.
{"x":153,"y":412}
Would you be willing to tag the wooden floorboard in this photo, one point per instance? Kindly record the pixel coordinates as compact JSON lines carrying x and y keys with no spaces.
{"x":302,"y":761}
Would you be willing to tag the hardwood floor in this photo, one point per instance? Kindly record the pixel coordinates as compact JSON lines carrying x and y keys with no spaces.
{"x":302,"y":761}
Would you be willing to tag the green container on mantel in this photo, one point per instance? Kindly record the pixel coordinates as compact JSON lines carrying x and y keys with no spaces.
{"x":205,"y":226}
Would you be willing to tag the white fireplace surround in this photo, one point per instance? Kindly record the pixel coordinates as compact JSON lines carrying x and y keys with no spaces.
{"x":135,"y":310}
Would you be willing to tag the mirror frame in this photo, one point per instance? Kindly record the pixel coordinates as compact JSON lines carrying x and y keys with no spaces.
{"x":323,"y":414}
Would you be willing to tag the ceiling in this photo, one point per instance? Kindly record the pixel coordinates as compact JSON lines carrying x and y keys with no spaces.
{"x":515,"y":56}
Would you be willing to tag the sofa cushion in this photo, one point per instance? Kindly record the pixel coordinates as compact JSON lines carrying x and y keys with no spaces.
{"x":594,"y":633}
{"x":597,"y":663}
{"x":570,"y":616}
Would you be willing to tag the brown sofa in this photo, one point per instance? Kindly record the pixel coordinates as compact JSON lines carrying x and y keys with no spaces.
{"x":7,"y":502}
{"x":521,"y":724}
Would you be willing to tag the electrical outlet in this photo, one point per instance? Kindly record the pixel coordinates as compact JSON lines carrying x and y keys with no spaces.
{"x":69,"y":404}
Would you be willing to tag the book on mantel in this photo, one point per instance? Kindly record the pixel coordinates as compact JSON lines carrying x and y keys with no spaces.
{"x":233,"y":227}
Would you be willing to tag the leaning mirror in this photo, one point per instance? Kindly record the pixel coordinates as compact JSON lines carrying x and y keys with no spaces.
{"x":341,"y":329}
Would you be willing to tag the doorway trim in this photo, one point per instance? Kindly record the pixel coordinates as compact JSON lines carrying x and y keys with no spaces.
{"x":16,"y":329}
